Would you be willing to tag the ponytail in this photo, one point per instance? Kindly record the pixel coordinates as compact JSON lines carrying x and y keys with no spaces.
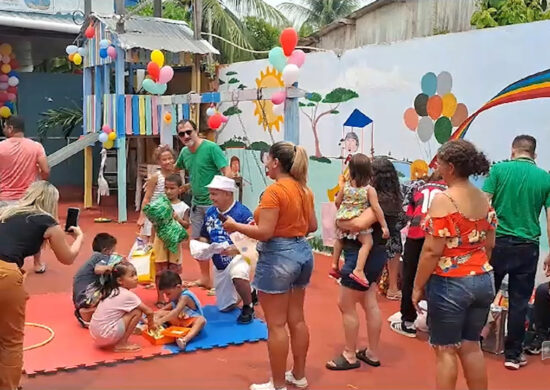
{"x":293,"y":158}
{"x":300,"y":165}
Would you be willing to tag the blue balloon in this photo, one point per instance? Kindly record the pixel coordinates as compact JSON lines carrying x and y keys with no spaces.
{"x":160,"y":89}
{"x":13,"y":73}
{"x":10,"y":105}
{"x":103,"y":53}
{"x":429,"y":84}
{"x":278,"y":59}
{"x":148,"y":85}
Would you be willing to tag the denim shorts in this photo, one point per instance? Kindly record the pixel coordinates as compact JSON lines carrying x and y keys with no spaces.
{"x":283,"y":264}
{"x":458,"y":307}
{"x":373,"y":268}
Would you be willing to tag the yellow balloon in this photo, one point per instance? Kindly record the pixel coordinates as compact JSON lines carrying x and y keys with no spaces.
{"x":6,"y":68}
{"x":157,"y":57}
{"x":5,"y":112}
{"x":112,"y":136}
{"x":77,"y":59}
{"x":109,"y":144}
{"x":449,"y":105}
{"x":5,"y":49}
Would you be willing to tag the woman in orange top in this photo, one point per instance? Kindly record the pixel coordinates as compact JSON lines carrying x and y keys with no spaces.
{"x":460,"y":235}
{"x":283,"y":218}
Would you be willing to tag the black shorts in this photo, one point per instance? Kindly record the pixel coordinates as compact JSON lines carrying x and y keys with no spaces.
{"x":373,"y":268}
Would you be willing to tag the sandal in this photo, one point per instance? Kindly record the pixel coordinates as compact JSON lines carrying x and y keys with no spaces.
{"x":127,"y":348}
{"x":334,"y":274}
{"x":362,"y":282}
{"x":362,"y":355}
{"x":341,"y":364}
{"x":41,"y":269}
{"x":393,"y":295}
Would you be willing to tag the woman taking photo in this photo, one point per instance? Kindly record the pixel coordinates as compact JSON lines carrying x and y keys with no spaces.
{"x":24,"y":227}
{"x":454,"y":266}
{"x":283,"y":218}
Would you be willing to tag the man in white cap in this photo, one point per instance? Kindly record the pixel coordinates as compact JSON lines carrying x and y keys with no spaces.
{"x":231,"y":270}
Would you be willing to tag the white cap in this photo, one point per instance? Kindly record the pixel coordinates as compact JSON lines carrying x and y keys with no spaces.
{"x":222,"y":183}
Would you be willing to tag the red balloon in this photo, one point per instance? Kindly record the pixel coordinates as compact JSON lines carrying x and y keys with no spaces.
{"x":3,"y":97}
{"x":289,"y":40}
{"x":90,"y":32}
{"x":12,"y":90}
{"x":11,"y":97}
{"x":14,"y":64}
{"x":153,"y":70}
{"x":215,"y":121}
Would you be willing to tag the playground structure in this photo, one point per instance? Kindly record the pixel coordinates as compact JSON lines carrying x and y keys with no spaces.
{"x":141,"y":115}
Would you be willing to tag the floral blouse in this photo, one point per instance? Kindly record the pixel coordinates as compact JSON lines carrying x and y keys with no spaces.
{"x":464,"y":252}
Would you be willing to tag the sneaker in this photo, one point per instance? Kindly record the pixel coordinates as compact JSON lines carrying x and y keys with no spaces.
{"x":246,"y":316}
{"x":535,"y":347}
{"x":254,"y":297}
{"x":80,"y":320}
{"x":299,"y":383}
{"x":402,"y":329}
{"x":515,"y":364}
{"x":265,"y":386}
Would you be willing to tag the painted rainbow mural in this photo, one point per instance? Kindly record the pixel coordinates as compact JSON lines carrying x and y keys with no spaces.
{"x":531,"y":87}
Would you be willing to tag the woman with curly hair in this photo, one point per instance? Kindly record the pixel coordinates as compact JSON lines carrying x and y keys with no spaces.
{"x":454,"y":266}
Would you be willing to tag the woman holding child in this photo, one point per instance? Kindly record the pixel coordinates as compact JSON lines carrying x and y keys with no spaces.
{"x":24,"y":227}
{"x":283,"y":218}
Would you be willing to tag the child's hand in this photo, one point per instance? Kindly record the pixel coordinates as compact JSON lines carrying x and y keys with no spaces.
{"x":341,"y":181}
{"x":385,"y":233}
{"x":141,"y":221}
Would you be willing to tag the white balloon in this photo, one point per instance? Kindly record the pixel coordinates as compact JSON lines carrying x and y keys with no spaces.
{"x":6,"y":59}
{"x":13,"y":81}
{"x":279,"y":109}
{"x":81,"y":51}
{"x":71,"y":49}
{"x":104,"y":44}
{"x":290,"y":74}
{"x":210,"y":111}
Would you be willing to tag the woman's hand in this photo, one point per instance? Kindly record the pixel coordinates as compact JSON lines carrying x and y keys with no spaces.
{"x":75,"y":231}
{"x":230,"y":225}
{"x":341,"y":181}
{"x":385,"y":233}
{"x":417,"y":296}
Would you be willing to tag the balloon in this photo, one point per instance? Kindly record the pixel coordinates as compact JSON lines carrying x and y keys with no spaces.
{"x":288,"y":39}
{"x":12,"y":97}
{"x":443,"y":129}
{"x":10,"y":105}
{"x":449,"y":105}
{"x":420,"y":103}
{"x":103,"y":53}
{"x":5,"y":112}
{"x":215,"y":121}
{"x":148,"y":85}
{"x":3,"y":97}
{"x":4,"y":86}
{"x":298,"y":57}
{"x":81,"y":51}
{"x":278,"y":97}
{"x":4,"y":78}
{"x":103,"y":138}
{"x":106,"y":129}
{"x":6,"y":59}
{"x":444,"y":83}
{"x":160,"y":89}
{"x":166,"y":74}
{"x":90,"y":32}
{"x":461,"y":114}
{"x":434,"y":106}
{"x":168,"y":117}
{"x":153,"y":70}
{"x":77,"y":59}
{"x":5,"y":49}
{"x":111,"y":52}
{"x":71,"y":57}
{"x":109,"y":144}
{"x":225,"y":119}
{"x":14,"y":64}
{"x":429,"y":83}
{"x":157,"y":57}
{"x":71,"y":49}
{"x":290,"y":74}
{"x":210,"y":111}
{"x":12,"y":90}
{"x":104,"y":44}
{"x":278,"y":109}
{"x":411,"y":119}
{"x":425,"y":129}
{"x":277,"y":58}
{"x":111,"y":136}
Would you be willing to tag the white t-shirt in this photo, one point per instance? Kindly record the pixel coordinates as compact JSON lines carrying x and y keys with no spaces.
{"x":180,"y":208}
{"x":109,"y":312}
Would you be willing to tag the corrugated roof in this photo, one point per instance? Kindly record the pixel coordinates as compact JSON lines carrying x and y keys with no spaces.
{"x":157,"y":33}
{"x":39,"y":21}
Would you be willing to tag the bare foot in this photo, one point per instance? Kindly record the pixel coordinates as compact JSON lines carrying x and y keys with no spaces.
{"x":127,"y":348}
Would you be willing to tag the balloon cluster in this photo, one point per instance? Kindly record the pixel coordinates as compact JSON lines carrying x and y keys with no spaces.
{"x":106,"y":49}
{"x":75,"y":53}
{"x":215,"y":118}
{"x":436,"y":110}
{"x":107,"y":137}
{"x":9,"y":80}
{"x":158,"y":75}
{"x":288,"y":60}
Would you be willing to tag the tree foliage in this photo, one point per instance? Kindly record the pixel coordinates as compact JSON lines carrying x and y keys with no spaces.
{"x":493,"y":13}
{"x":318,"y":13}
{"x":264,"y":35}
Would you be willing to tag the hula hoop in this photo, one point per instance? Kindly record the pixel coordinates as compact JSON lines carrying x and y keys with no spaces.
{"x":50,"y":338}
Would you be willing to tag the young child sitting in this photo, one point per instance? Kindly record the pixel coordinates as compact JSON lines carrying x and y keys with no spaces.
{"x":119,"y":310}
{"x":165,"y":259}
{"x":354,"y":197}
{"x":183,"y":309}
{"x":86,"y":280}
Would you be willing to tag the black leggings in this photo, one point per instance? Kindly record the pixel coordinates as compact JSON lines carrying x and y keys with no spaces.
{"x":411,"y":255}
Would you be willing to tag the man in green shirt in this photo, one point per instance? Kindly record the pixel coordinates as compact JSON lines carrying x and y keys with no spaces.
{"x":519,"y":190}
{"x":202,"y":160}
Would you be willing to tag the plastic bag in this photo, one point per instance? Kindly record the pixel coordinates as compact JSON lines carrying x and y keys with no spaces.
{"x":161,"y":215}
{"x":141,"y":257}
{"x":246,"y":247}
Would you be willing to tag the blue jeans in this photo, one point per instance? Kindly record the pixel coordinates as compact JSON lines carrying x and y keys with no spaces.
{"x":373,"y":268}
{"x":283,"y":264}
{"x":518,"y":258}
{"x":458,"y":307}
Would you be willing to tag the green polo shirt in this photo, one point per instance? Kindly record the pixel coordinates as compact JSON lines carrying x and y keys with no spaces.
{"x":520,"y":190}
{"x":202,"y":166}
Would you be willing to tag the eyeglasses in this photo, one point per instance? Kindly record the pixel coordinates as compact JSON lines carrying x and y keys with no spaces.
{"x":185,"y":133}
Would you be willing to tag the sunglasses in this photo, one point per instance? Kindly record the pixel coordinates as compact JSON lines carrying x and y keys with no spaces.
{"x":185,"y":133}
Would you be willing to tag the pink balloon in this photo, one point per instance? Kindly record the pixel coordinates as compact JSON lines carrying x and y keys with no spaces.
{"x":11,"y":97}
{"x":6,"y":59}
{"x":224,"y":119}
{"x":106,"y":129}
{"x":111,"y":52}
{"x":298,"y":57}
{"x":278,"y":97}
{"x":3,"y":86}
{"x":3,"y":97}
{"x":4,"y":78}
{"x":166,"y":74}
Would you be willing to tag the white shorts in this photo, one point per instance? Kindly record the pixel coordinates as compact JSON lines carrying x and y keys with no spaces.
{"x":111,"y":336}
{"x":226,"y":295}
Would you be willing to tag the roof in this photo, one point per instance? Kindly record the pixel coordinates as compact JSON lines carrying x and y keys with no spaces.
{"x":156,"y":33}
{"x":357,"y":119}
{"x":39,"y":21}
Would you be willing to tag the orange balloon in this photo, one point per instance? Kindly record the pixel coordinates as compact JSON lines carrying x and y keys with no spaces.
{"x":461,"y":114}
{"x":71,"y":57}
{"x":434,"y":106}
{"x":411,"y":119}
{"x":168,"y":117}
{"x":6,"y":68}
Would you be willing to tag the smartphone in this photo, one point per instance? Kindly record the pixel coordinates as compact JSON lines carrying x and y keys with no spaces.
{"x":72,"y":218}
{"x":222,"y":217}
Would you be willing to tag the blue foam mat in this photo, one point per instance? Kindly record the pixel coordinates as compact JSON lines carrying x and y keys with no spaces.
{"x":222,"y":330}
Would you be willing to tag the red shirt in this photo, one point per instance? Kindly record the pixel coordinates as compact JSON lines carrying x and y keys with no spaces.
{"x":418,"y":201}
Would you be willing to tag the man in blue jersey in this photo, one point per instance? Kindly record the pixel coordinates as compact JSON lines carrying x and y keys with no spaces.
{"x":231,"y":270}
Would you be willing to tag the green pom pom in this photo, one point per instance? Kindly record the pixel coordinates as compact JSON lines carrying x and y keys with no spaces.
{"x":161,"y":215}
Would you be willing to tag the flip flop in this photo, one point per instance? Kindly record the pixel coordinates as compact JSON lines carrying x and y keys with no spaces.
{"x":127,"y":348}
{"x":341,"y":364}
{"x":335,"y":274}
{"x":362,"y":355}
{"x":40,"y":270}
{"x":362,"y":282}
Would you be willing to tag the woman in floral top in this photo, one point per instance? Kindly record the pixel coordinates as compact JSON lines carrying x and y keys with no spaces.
{"x":454,"y":266}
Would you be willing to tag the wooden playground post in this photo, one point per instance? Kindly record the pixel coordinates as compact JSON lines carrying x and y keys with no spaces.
{"x":88,"y":159}
{"x":121,"y":138}
{"x":292,"y":120}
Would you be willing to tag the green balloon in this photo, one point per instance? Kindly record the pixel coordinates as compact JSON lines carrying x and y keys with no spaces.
{"x":442,"y":130}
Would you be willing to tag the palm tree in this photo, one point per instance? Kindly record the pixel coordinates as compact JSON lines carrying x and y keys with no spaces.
{"x":318,"y":13}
